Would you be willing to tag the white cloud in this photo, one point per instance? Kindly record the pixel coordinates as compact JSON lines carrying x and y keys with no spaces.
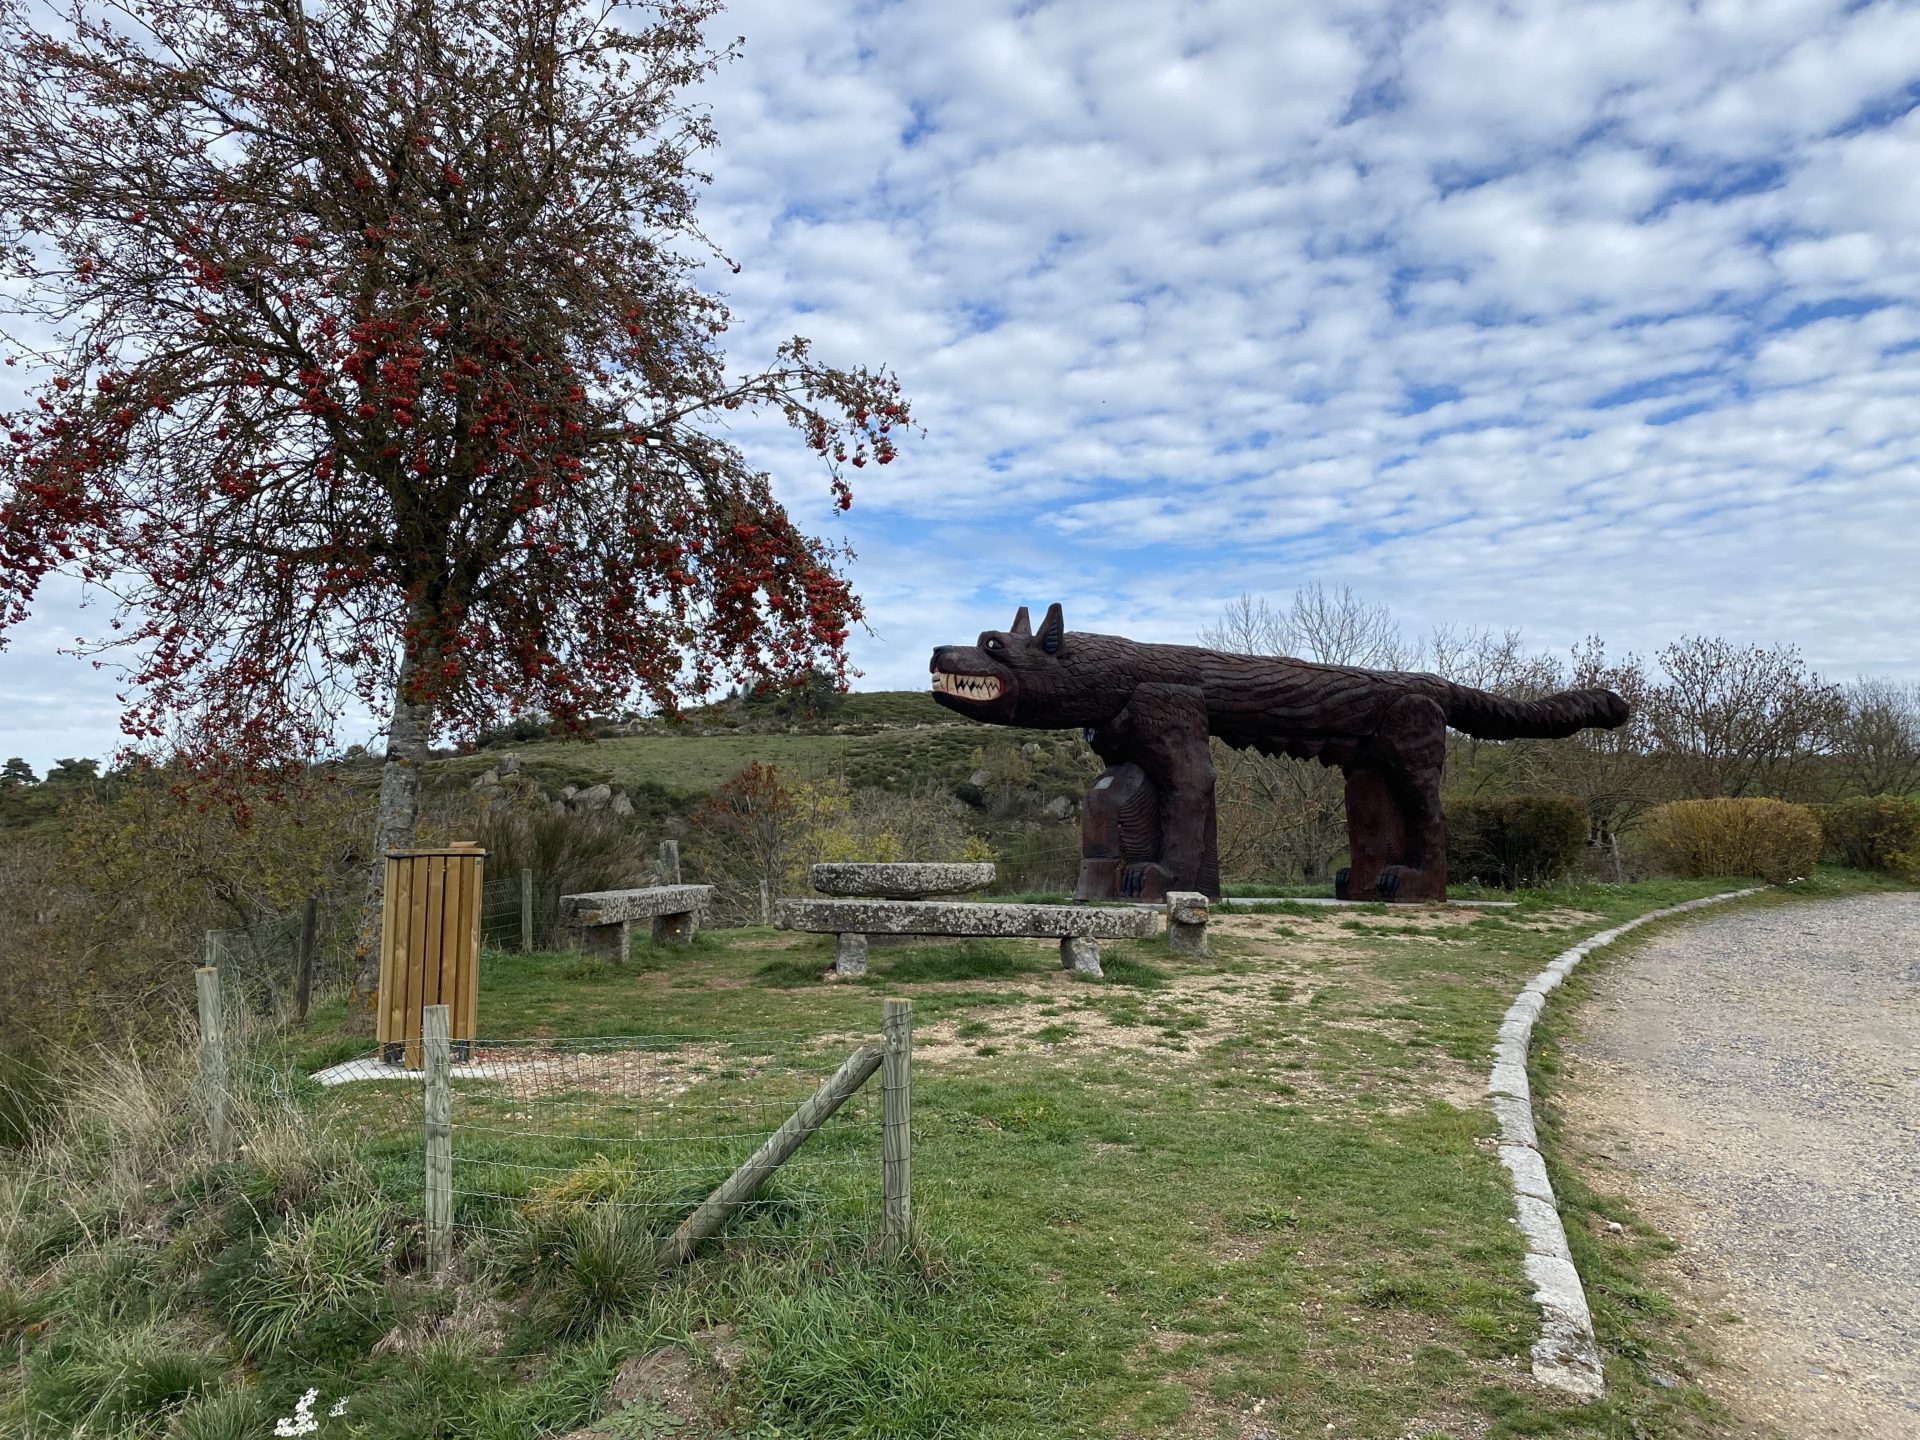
{"x":1581,"y":317}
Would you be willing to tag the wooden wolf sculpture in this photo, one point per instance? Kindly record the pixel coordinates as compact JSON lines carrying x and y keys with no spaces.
{"x":1147,"y":826}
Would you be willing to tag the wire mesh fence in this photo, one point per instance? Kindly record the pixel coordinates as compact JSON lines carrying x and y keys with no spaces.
{"x":648,"y":1127}
{"x":277,"y":964}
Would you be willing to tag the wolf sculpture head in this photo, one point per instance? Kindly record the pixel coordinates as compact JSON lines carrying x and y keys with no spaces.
{"x":1049,"y":680}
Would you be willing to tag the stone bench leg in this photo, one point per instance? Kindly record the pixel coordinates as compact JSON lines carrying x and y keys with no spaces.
{"x":676,"y":929}
{"x":1187,"y":923}
{"x":850,"y":954}
{"x":606,"y":942}
{"x":1080,"y":954}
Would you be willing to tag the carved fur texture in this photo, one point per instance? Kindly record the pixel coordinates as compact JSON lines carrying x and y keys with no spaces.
{"x":1147,"y":825}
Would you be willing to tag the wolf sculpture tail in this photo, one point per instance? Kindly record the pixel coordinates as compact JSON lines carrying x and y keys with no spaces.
{"x":1494,"y":717}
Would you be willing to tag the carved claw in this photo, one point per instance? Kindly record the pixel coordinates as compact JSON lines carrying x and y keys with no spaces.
{"x":1340,"y":886}
{"x":1398,"y":879}
{"x":1147,"y":881}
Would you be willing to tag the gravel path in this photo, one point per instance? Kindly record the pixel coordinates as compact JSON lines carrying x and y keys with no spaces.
{"x":1753,"y":1081}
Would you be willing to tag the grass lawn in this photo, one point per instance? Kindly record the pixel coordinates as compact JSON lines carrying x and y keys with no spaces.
{"x":1249,"y":1196}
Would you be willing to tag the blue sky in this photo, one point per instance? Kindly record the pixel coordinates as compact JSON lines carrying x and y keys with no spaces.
{"x":1576,"y":317}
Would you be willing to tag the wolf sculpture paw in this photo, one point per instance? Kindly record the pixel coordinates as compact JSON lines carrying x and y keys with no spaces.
{"x":1145,"y":882}
{"x":1406,"y":883}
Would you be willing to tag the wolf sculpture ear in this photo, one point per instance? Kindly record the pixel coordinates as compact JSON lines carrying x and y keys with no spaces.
{"x":1022,"y":625}
{"x":1053,"y":629}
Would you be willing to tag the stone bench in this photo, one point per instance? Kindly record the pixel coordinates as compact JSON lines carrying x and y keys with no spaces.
{"x":1078,"y":928}
{"x":600,"y":921}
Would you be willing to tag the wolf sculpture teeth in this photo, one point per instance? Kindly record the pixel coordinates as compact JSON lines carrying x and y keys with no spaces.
{"x":966,"y":687}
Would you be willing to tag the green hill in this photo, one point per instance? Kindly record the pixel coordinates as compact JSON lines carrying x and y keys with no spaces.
{"x":888,"y":740}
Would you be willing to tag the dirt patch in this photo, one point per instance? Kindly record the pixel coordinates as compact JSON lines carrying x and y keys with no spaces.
{"x":472,"y":1315}
{"x":1559,"y":919}
{"x":670,"y":1390}
{"x":533,"y":1072}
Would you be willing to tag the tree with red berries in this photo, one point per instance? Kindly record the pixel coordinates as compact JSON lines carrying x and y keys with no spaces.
{"x":367,"y":361}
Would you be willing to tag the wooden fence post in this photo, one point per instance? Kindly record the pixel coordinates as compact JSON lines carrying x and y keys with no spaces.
{"x":213,"y":1061}
{"x":303,"y":970}
{"x":766,"y":902}
{"x":669,"y":862}
{"x":437,"y":1057}
{"x":738,"y":1187}
{"x":526,"y":912}
{"x":896,"y":1126}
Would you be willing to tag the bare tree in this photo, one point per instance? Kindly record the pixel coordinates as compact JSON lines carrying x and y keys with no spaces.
{"x":1876,"y":741}
{"x":1617,"y":773}
{"x":1735,"y":720}
{"x":1497,"y":661}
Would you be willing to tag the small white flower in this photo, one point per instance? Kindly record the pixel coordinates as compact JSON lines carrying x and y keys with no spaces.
{"x":339,"y":1408}
{"x":301,"y":1422}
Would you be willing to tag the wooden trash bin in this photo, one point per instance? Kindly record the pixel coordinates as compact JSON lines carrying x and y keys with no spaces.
{"x":429,"y":947}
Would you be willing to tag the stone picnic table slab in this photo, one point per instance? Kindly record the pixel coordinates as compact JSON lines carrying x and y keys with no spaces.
{"x":1079,"y":928}
{"x":900,"y":880}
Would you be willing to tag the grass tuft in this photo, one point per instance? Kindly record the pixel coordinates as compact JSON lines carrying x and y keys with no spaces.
{"x":590,"y":1264}
{"x":317,"y":1285}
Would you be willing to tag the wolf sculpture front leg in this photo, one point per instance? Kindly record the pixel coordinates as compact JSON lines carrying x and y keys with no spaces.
{"x":1396,"y":832}
{"x":1162,"y":731}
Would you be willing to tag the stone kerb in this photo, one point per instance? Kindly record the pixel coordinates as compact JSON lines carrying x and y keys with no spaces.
{"x":1566,"y":1357}
{"x":899,"y":880}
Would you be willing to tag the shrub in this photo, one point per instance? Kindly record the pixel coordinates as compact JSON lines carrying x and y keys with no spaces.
{"x":568,"y":852}
{"x":1772,"y":839}
{"x":1874,"y":832}
{"x":1514,"y":840}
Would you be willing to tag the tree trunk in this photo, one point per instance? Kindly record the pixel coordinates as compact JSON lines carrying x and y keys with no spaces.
{"x":394,"y":823}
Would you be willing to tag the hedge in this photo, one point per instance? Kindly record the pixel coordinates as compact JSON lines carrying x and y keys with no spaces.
{"x":1771,"y":839}
{"x":1873,"y":832}
{"x":1514,"y":840}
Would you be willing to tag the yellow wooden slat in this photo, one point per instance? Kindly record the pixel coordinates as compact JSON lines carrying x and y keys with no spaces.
{"x":417,"y":956}
{"x":401,"y":950}
{"x":433,"y":971}
{"x":475,"y":886}
{"x":453,"y":917}
{"x":383,"y":1002}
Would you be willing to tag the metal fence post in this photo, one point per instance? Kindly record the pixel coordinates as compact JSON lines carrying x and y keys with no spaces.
{"x":437,"y":1057}
{"x":526,"y":912}
{"x":213,"y":1061}
{"x":896,"y":1125}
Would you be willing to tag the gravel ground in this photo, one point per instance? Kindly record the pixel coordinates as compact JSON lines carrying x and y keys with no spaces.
{"x":1752,"y":1080}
